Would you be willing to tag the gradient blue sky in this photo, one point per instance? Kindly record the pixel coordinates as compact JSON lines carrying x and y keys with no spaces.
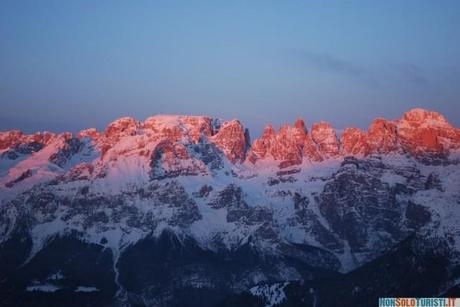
{"x":67,"y":65}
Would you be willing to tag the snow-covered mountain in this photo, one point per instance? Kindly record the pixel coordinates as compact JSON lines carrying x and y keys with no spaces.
{"x":164,"y":211}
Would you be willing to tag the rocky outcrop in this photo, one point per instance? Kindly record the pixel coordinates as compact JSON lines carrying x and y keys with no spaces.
{"x":382,"y":137}
{"x":121,"y":127}
{"x":370,"y":217}
{"x":170,"y":160}
{"x":228,"y":137}
{"x":325,"y":137}
{"x":175,"y":127}
{"x":354,"y":142}
{"x":15,"y":140}
{"x":289,"y":146}
{"x":310,"y":150}
{"x":260,"y":147}
{"x":90,"y":133}
{"x":425,"y":132}
{"x":9,"y":138}
{"x":233,"y":140}
{"x":70,"y":148}
{"x":23,"y":176}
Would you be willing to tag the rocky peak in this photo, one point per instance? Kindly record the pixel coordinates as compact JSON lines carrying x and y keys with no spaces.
{"x":299,"y":132}
{"x":14,"y":138}
{"x":8,"y":138}
{"x":268,"y":132}
{"x":233,"y":140}
{"x":424,"y":132}
{"x":285,"y":146}
{"x":90,"y":132}
{"x":418,"y":116}
{"x":44,"y":137}
{"x":175,"y":127}
{"x":382,"y":136}
{"x":121,"y":127}
{"x":292,"y":144}
{"x":199,"y":125}
{"x":325,"y":137}
{"x":300,"y":124}
{"x":289,"y":145}
{"x":260,"y":147}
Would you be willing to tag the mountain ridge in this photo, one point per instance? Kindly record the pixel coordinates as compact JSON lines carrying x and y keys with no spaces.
{"x":293,"y":206}
{"x":418,"y":130}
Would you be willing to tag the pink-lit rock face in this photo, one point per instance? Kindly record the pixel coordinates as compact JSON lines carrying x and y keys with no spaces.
{"x":417,"y":117}
{"x":382,"y":136}
{"x":90,"y":132}
{"x":229,"y":137}
{"x":233,"y":140}
{"x":16,"y":137}
{"x":422,"y":131}
{"x":198,"y":126}
{"x":9,"y":138}
{"x":201,"y":141}
{"x":172,"y":159}
{"x":285,"y":146}
{"x":175,"y":127}
{"x":121,"y":127}
{"x":310,"y":150}
{"x":354,"y":142}
{"x":325,"y":137}
{"x":116,"y":130}
{"x":418,"y":132}
{"x":260,"y":147}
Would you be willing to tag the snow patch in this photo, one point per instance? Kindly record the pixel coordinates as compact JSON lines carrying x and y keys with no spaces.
{"x":86,"y":289}
{"x":43,"y":288}
{"x":272,"y":294}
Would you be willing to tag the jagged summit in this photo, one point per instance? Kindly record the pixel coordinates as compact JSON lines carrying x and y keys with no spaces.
{"x":422,"y":116}
{"x":300,"y":124}
{"x":418,"y":132}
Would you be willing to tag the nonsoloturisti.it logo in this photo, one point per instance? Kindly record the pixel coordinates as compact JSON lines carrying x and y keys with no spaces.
{"x":419,"y":302}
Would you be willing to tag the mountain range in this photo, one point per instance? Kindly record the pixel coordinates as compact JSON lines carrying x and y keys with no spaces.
{"x":187,"y":211}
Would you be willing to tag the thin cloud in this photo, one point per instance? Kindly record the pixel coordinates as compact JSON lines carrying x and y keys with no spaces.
{"x":412,"y":73}
{"x":328,"y":62}
{"x":380,"y":75}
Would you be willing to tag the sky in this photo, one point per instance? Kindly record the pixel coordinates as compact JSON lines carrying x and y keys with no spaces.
{"x":69,"y":65}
